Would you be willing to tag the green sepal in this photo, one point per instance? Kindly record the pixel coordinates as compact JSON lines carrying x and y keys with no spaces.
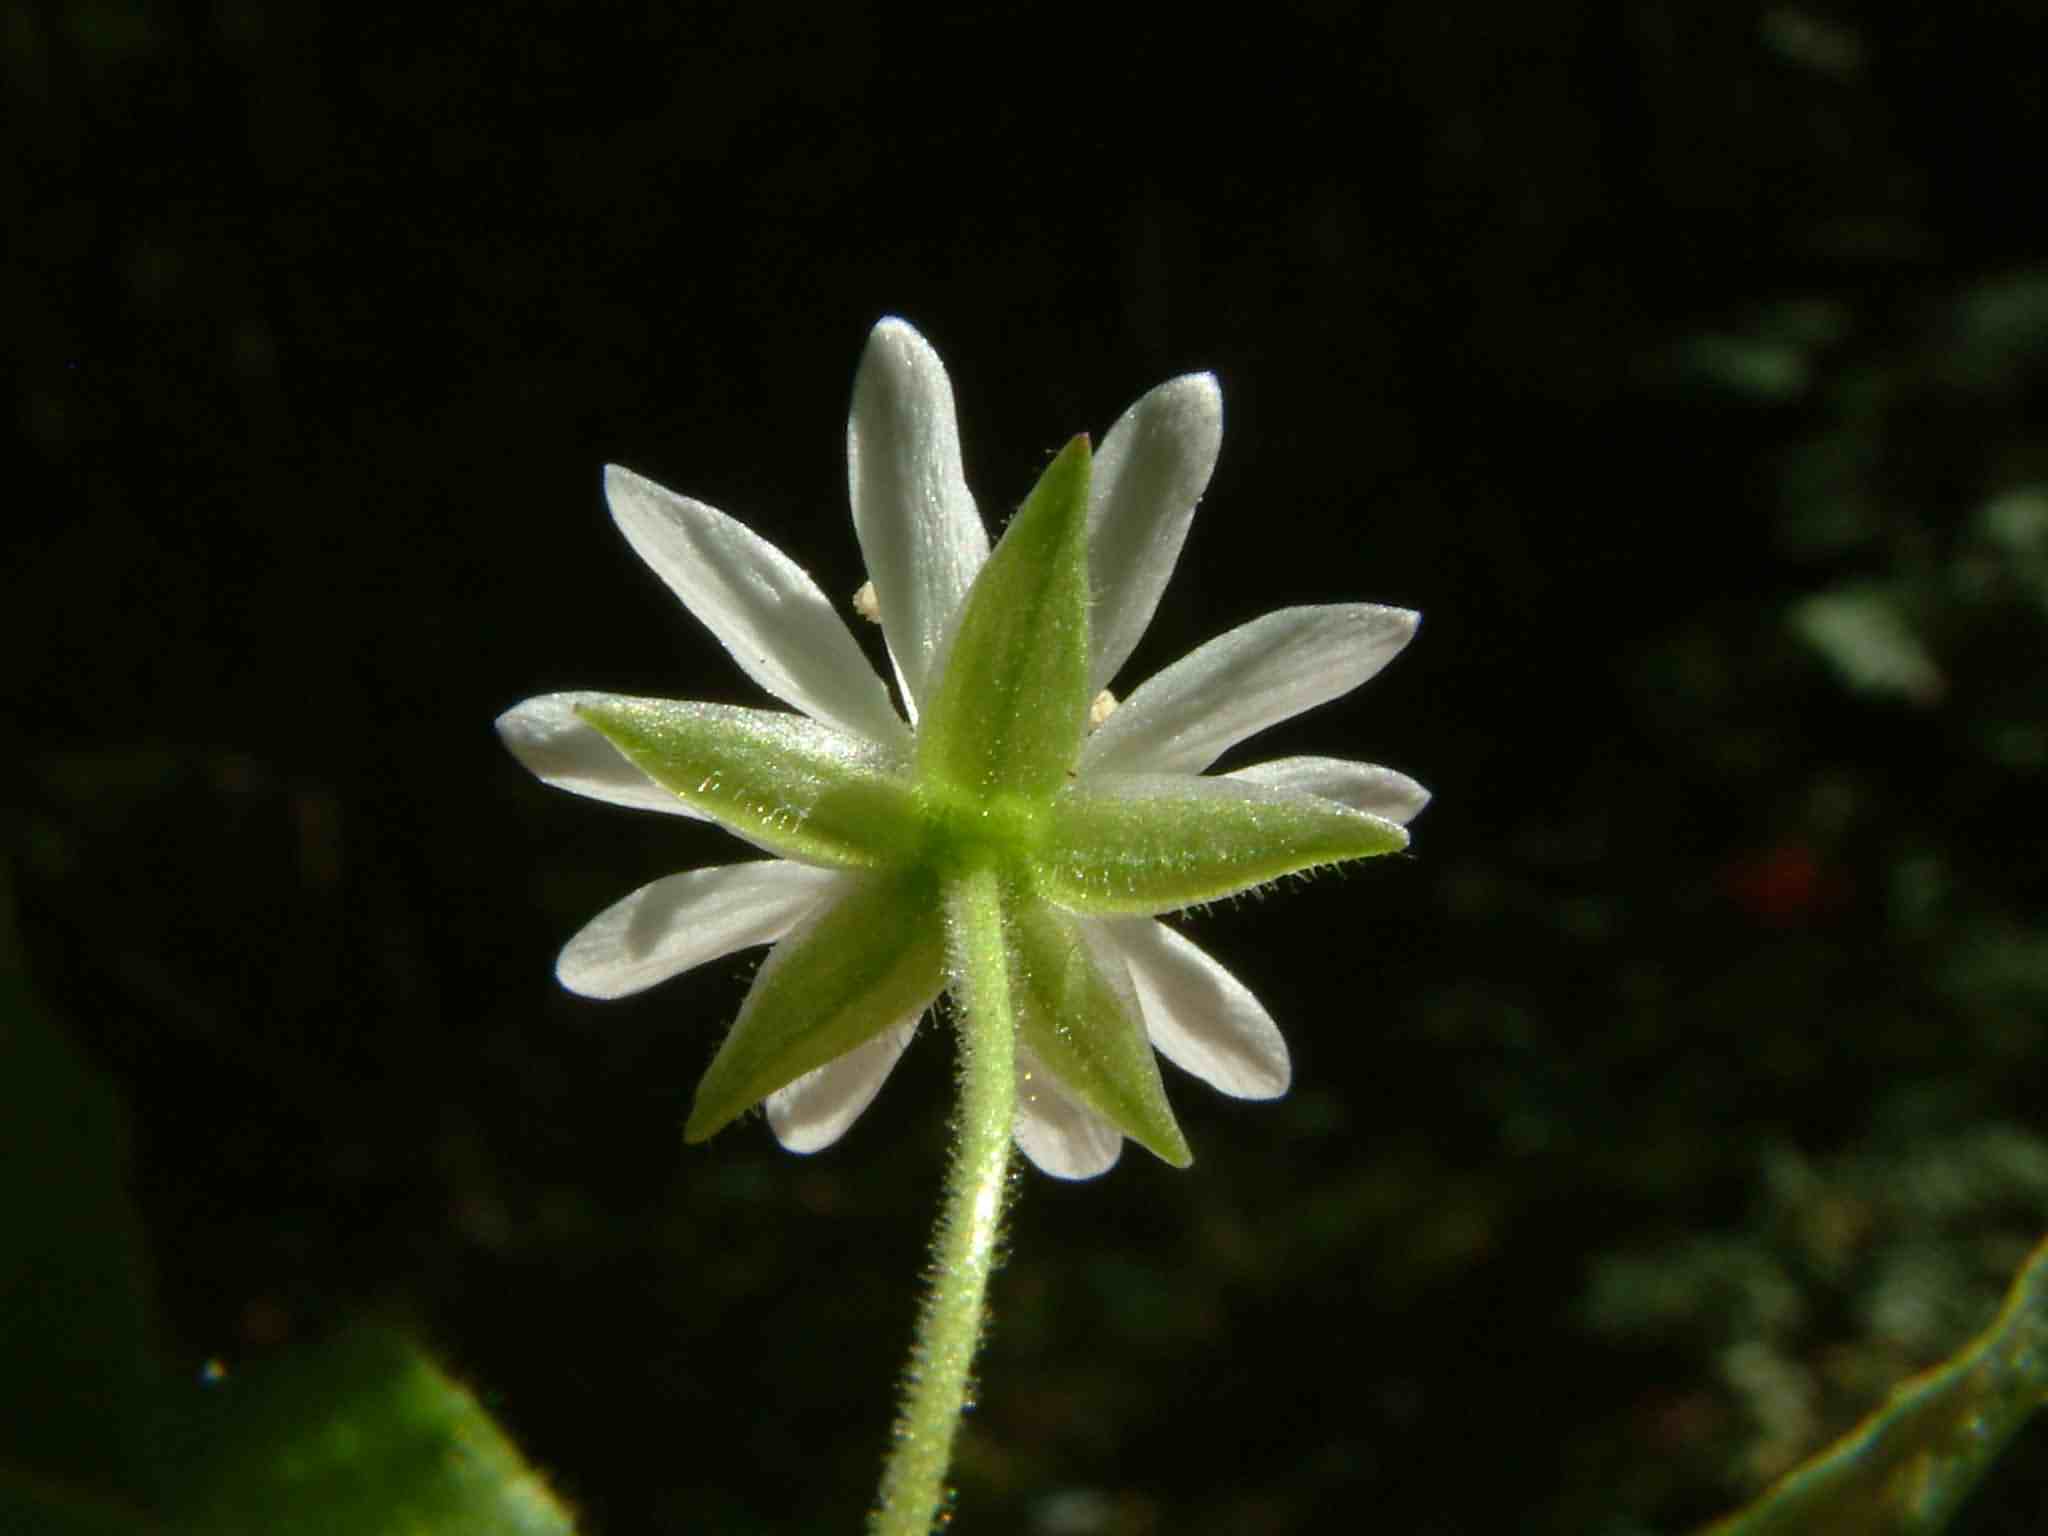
{"x":871,"y":959}
{"x":1132,"y":844}
{"x":1080,"y":1018}
{"x":784,"y":782}
{"x":1012,"y":703}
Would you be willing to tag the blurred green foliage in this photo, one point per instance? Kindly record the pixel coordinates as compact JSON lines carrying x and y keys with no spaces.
{"x":1910,"y":1467}
{"x":356,"y":1434}
{"x":1851,"y":1269}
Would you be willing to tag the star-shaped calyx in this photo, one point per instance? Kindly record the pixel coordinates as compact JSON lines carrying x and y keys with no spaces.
{"x":992,"y":769}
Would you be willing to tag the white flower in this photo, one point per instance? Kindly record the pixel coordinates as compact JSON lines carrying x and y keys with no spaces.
{"x":924,"y":544}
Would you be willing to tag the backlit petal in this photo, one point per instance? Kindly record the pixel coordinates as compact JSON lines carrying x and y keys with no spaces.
{"x":1203,"y":1019}
{"x":763,"y":607}
{"x":816,"y":1110}
{"x":663,"y":929}
{"x":560,"y":747}
{"x":854,"y":967}
{"x":1241,"y":682}
{"x":1363,"y":786}
{"x":1150,"y":471}
{"x":1062,"y":1136}
{"x":919,"y":530}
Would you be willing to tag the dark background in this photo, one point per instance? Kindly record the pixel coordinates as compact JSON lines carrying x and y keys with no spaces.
{"x":1686,"y":363}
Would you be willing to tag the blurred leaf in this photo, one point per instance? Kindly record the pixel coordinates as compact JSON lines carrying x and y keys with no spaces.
{"x":1771,"y":359}
{"x":1863,"y":632}
{"x":1909,"y":1466}
{"x":2017,"y":521}
{"x":1999,"y":331}
{"x":1757,"y":366}
{"x":358,"y":1436}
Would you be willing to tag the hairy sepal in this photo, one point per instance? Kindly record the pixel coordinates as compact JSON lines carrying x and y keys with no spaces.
{"x":1078,"y":1015}
{"x":1010,"y":708}
{"x":784,"y":782}
{"x":1139,"y":844}
{"x":868,"y":961}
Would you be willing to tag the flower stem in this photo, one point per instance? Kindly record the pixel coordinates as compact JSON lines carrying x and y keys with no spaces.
{"x":914,"y":1491}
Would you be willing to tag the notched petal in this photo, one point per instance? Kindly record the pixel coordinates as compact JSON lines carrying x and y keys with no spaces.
{"x":858,"y":966}
{"x":784,"y":782}
{"x":1141,"y":844}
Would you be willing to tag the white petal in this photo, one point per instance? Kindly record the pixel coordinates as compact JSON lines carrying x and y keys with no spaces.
{"x":1151,"y":470}
{"x":763,"y":607}
{"x":1364,"y":787}
{"x":1202,"y":1019}
{"x":919,"y":531}
{"x":811,"y":1113}
{"x":1242,"y":682}
{"x":663,"y":929}
{"x":560,"y":748}
{"x":1056,"y":1131}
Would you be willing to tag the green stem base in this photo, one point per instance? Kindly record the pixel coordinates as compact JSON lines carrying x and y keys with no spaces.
{"x":914,"y":1495}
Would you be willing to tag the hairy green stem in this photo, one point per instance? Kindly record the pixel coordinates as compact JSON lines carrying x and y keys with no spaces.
{"x":914,"y":1494}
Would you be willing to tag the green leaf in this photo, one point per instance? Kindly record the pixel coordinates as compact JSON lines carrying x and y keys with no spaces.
{"x":1087,"y":1030}
{"x":361,"y":1436}
{"x":1010,"y":709}
{"x":872,"y":959}
{"x":782,"y":781}
{"x":1907,"y":1468}
{"x":1131,"y":844}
